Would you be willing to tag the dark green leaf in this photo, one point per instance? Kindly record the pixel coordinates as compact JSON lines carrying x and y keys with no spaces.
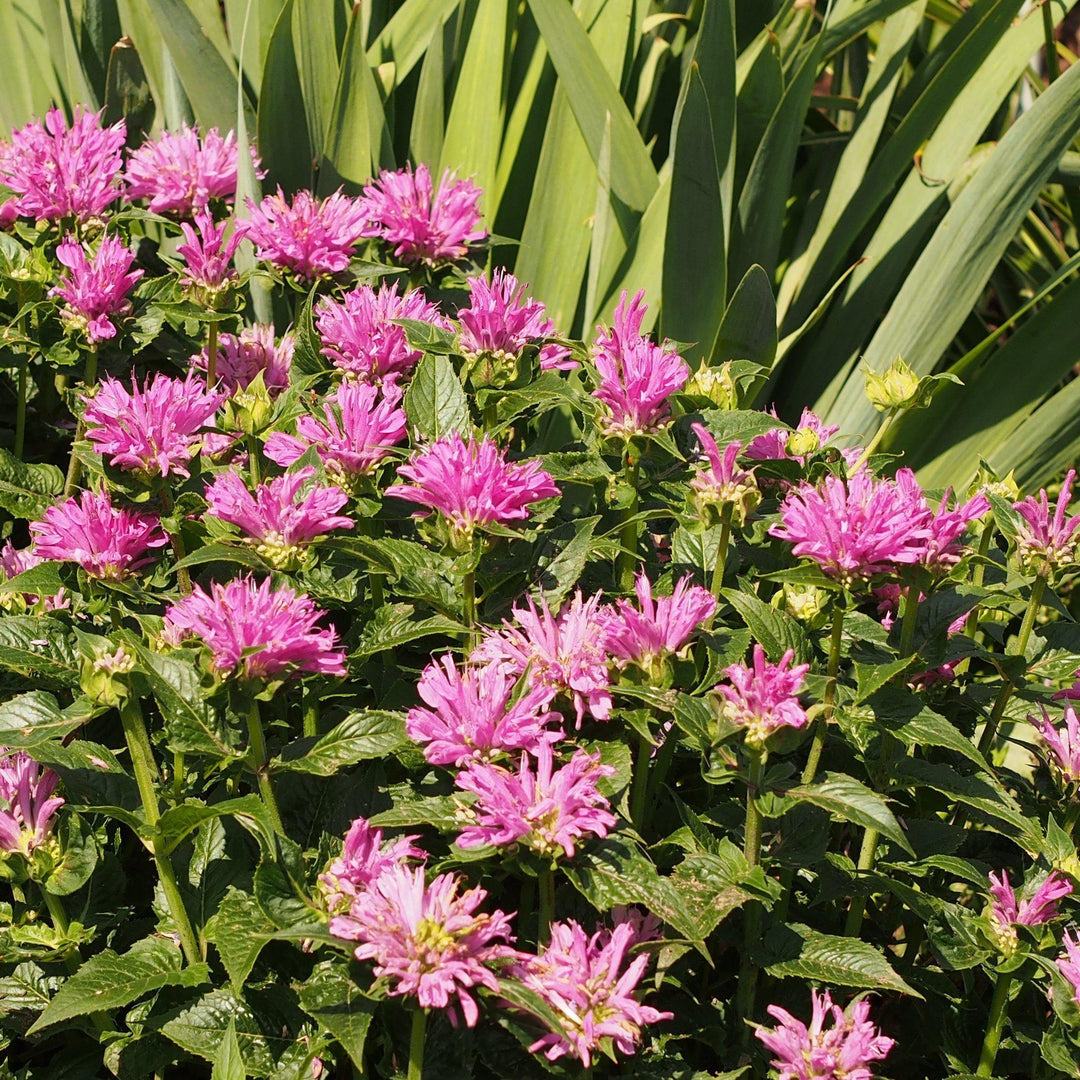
{"x":331,"y":996}
{"x":239,"y":929}
{"x":27,"y":491}
{"x":435,"y":402}
{"x":359,"y":737}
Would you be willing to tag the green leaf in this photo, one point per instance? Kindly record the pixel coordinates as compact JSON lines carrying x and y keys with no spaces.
{"x":797,"y":952}
{"x":239,"y":929}
{"x":441,"y":811}
{"x":279,"y":886}
{"x":869,"y":678}
{"x":201,"y":1029}
{"x":332,"y":998}
{"x":844,"y":797}
{"x":435,"y":402}
{"x":229,"y":1062}
{"x":40,"y":580}
{"x":593,"y":97}
{"x":914,"y":724}
{"x":776,"y":631}
{"x":39,"y":647}
{"x":26,"y":990}
{"x":78,"y":859}
{"x":560,"y":573}
{"x":392,"y":625}
{"x":709,"y":886}
{"x":361,"y":736}
{"x":178,"y":821}
{"x":110,"y":981}
{"x":748,"y":328}
{"x":34,"y":718}
{"x":27,"y":491}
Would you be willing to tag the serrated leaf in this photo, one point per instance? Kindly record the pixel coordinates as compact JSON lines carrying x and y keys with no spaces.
{"x":332,"y":998}
{"x":178,"y":821}
{"x":869,"y":678}
{"x":560,"y":572}
{"x":435,"y":402}
{"x":776,"y":631}
{"x":39,"y":646}
{"x":201,"y":1029}
{"x":40,"y":580}
{"x":239,"y":930}
{"x":709,"y":886}
{"x":392,"y":625}
{"x":847,"y":798}
{"x":27,"y":491}
{"x":798,"y":952}
{"x":34,"y":718}
{"x":229,"y":1062}
{"x":361,"y":736}
{"x":904,"y":714}
{"x":110,"y":981}
{"x":441,"y":811}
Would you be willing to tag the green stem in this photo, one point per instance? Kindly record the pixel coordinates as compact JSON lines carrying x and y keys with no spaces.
{"x":416,"y":1045}
{"x":1034,"y":604}
{"x":875,"y":442}
{"x":639,"y":789}
{"x":977,"y":576}
{"x":546,"y":908}
{"x":74,"y":464}
{"x":752,"y":835}
{"x":20,"y":412}
{"x":911,"y":610}
{"x":146,"y":777}
{"x":254,"y":460}
{"x":1052,"y":70}
{"x":858,"y":901}
{"x":629,"y":530}
{"x":178,"y":776}
{"x":211,"y":355}
{"x":661,"y":766}
{"x":748,"y":973}
{"x":311,"y":713}
{"x":260,"y":762}
{"x":999,"y":1007}
{"x":821,"y":728}
{"x":721,"y":551}
{"x":176,"y":541}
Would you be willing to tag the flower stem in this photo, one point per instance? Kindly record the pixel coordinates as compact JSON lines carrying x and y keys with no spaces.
{"x":20,"y":412}
{"x":311,"y":713}
{"x":858,"y":901}
{"x":176,"y":542}
{"x":74,"y":464}
{"x":416,"y":1045}
{"x":999,"y":1007}
{"x":254,"y":463}
{"x":1052,"y":69}
{"x":748,"y":972}
{"x":911,"y":610}
{"x":146,"y":777}
{"x":260,"y":762}
{"x":211,"y":355}
{"x":546,"y":909}
{"x":821,"y":728}
{"x":639,"y":788}
{"x":721,"y":551}
{"x":628,"y":531}
{"x":875,"y":442}
{"x":986,"y":741}
{"x":178,"y":776}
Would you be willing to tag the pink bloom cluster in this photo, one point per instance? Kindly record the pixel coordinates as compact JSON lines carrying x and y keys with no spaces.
{"x":721,"y":482}
{"x":95,"y":289}
{"x":1006,"y":913}
{"x":1045,"y":542}
{"x":637,"y":376}
{"x":1069,"y":963}
{"x":360,"y":337}
{"x":208,"y":250}
{"x":155,"y":430}
{"x":547,"y":809}
{"x":773,"y":444}
{"x":422,"y":225}
{"x":590,"y":986}
{"x":764,"y":698}
{"x":180,"y":173}
{"x":499,"y":321}
{"x":844,"y":1050}
{"x":57,"y":172}
{"x":283,"y":516}
{"x":309,"y":237}
{"x":256,"y":632}
{"x":106,"y":541}
{"x":241,"y":357}
{"x":359,"y":430}
{"x":27,"y":802}
{"x":1064,"y":744}
{"x":472,"y":714}
{"x":364,"y":857}
{"x":472,"y":485}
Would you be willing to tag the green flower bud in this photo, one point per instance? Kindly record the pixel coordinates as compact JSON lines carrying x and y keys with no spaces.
{"x":804,"y":602}
{"x":715,"y":385}
{"x":802,"y":442}
{"x":895,"y":388}
{"x":249,"y":410}
{"x":102,"y":677}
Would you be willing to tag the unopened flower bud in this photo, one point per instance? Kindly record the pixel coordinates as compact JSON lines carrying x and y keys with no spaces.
{"x":803,"y":602}
{"x":715,"y":385}
{"x":102,"y":676}
{"x":494,"y":370}
{"x":802,"y":442}
{"x":249,"y":410}
{"x":895,"y":388}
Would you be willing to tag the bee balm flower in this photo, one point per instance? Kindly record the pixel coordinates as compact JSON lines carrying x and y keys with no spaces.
{"x":95,"y":289}
{"x":429,"y":941}
{"x":722,"y":483}
{"x":364,"y":858}
{"x":472,"y":485}
{"x":842,"y":1051}
{"x":27,"y":802}
{"x":423,"y":226}
{"x":1046,"y":543}
{"x":1069,"y":963}
{"x":1064,"y":744}
{"x":155,"y":430}
{"x":762,"y":699}
{"x":240,"y":357}
{"x":209,"y":253}
{"x":256,"y":632}
{"x":1006,"y":914}
{"x":106,"y":541}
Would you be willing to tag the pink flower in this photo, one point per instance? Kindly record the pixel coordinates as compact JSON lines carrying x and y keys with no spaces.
{"x":548,"y":810}
{"x":656,"y":628}
{"x":1044,"y":543}
{"x":423,"y":227}
{"x":364,"y":858}
{"x":841,"y":1052}
{"x":209,"y":253}
{"x":500,"y":322}
{"x":763,"y":698}
{"x":155,"y":430}
{"x":854,"y":529}
{"x":255,"y":632}
{"x":472,"y":714}
{"x":180,"y":173}
{"x":309,"y":236}
{"x":1006,"y":913}
{"x":361,"y":338}
{"x":15,"y":561}
{"x":565,"y":654}
{"x":27,"y":803}
{"x":472,"y":485}
{"x":429,"y":940}
{"x":95,"y":290}
{"x":59,"y":172}
{"x":722,"y":483}
{"x":359,"y":430}
{"x":772,"y":446}
{"x":283,"y":516}
{"x":240,"y":358}
{"x":1069,"y":963}
{"x":106,"y":541}
{"x":1064,"y":745}
{"x":944,"y":526}
{"x":637,"y":376}
{"x":590,"y":987}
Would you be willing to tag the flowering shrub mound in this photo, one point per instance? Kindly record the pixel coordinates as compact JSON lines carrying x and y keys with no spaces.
{"x":392,"y":685}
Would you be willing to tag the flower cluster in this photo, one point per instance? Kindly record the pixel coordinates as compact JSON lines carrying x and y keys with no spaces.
{"x":95,"y":289}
